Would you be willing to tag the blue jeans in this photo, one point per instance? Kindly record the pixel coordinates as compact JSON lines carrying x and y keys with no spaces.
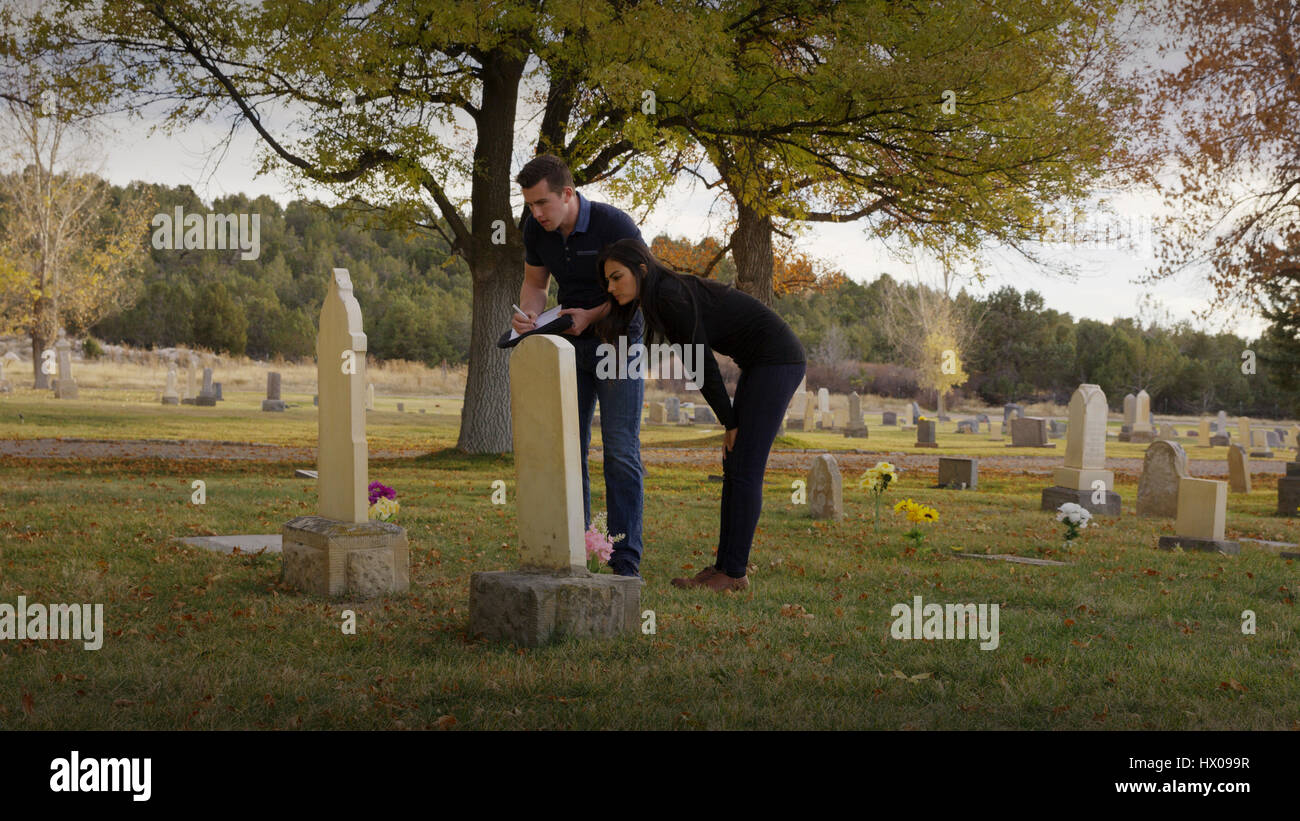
{"x":620,"y":432}
{"x":762,"y":395}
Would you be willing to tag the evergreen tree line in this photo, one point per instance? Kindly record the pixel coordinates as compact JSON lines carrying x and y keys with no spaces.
{"x":415,"y":298}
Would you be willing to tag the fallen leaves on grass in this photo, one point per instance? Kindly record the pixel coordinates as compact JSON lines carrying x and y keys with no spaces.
{"x":795,"y":611}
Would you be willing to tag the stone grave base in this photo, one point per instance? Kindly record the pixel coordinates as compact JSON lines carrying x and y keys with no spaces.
{"x":206,"y":401}
{"x":1261,"y":454}
{"x":171,"y":400}
{"x":66,"y":391}
{"x":532,"y":607}
{"x":187,"y":401}
{"x":926,"y":444}
{"x":273,"y":405}
{"x":1205,"y":545}
{"x":1047,"y":445}
{"x":1144,"y":437}
{"x":1288,"y":494}
{"x":1054,"y":497}
{"x":354,"y":560}
{"x":1125,"y":436}
{"x":1219,"y":441}
{"x":856,"y":433}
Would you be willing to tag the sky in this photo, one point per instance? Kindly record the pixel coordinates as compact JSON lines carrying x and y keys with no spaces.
{"x":1105,"y":289}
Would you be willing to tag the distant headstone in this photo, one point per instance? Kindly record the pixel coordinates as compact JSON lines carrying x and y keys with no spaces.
{"x":207,"y":395}
{"x":1164,"y":465}
{"x":1288,"y":491}
{"x":983,"y":419}
{"x":825,"y":489}
{"x":170,"y":397}
{"x":1083,"y":479}
{"x":1202,"y":513}
{"x":66,"y":387}
{"x":273,"y":402}
{"x":1012,"y":408}
{"x":1238,"y":469}
{"x":216,"y":388}
{"x":1055,"y":429}
{"x":1272,"y":439}
{"x":658,"y":413}
{"x":823,"y":401}
{"x":1222,"y":422}
{"x":401,"y":407}
{"x":916,"y":413}
{"x":889,"y":418}
{"x":967,"y":426}
{"x":672,"y":408}
{"x":5,"y":387}
{"x":315,"y":400}
{"x":958,"y":472}
{"x":1143,"y":431}
{"x":1130,"y":411}
{"x":1203,"y":434}
{"x":1167,"y":432}
{"x":925,"y":434}
{"x":704,"y":416}
{"x":857,"y":427}
{"x":1029,"y":432}
{"x":1244,"y":433}
{"x":370,"y":397}
{"x":809,"y":412}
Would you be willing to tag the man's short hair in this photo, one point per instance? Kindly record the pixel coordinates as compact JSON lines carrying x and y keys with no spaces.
{"x":546,"y":167}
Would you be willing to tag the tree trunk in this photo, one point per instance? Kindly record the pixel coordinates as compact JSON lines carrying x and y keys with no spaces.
{"x":42,"y":333}
{"x":498,"y":270}
{"x":751,"y":247}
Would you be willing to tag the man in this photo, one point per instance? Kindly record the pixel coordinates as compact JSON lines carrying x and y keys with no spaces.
{"x":563,"y":234}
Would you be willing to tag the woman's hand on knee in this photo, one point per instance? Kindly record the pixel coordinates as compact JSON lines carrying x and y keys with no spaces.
{"x":729,"y":439}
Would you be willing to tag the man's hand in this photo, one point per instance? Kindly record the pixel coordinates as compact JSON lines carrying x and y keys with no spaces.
{"x":582,"y":317}
{"x":729,"y":441}
{"x":521,"y":325}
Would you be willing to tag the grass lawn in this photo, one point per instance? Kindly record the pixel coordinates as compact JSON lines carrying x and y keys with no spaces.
{"x":1127,"y":637}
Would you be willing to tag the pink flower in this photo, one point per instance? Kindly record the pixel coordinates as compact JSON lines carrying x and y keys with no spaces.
{"x":598,"y":545}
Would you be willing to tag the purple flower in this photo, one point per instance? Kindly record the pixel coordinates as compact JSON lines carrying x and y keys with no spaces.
{"x":378,"y":490}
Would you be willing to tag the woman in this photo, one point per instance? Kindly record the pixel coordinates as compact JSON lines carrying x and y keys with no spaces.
{"x":688,"y":310}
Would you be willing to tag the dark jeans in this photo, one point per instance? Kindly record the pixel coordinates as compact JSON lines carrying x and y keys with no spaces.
{"x":762,"y":396}
{"x":620,"y":435}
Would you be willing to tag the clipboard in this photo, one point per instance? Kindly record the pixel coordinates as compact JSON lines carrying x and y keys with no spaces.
{"x":550,"y":322}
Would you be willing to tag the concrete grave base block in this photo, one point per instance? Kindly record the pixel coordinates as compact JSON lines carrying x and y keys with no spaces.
{"x":1054,"y":497}
{"x":855,"y":433}
{"x":1220,"y":441}
{"x":66,"y":389}
{"x":206,"y":401}
{"x":354,"y":560}
{"x":273,"y":405}
{"x":1144,"y":437}
{"x":531,"y":608}
{"x":1204,"y":545}
{"x":926,"y":444}
{"x":171,"y":400}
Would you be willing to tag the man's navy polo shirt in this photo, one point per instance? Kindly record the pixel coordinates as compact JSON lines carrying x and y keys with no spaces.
{"x":572,"y":261}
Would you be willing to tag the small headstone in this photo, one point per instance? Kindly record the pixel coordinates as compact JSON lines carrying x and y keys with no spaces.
{"x":704,"y":415}
{"x":315,"y":400}
{"x":823,"y":401}
{"x":1238,"y":469}
{"x":1012,"y":408}
{"x":925,"y":434}
{"x":1029,"y":432}
{"x":825,"y":489}
{"x":809,"y":421}
{"x":1221,"y":422}
{"x":958,"y":472}
{"x":1288,"y":491}
{"x":916,"y":413}
{"x":857,"y":428}
{"x":66,"y":387}
{"x":1202,"y":512}
{"x":967,"y":426}
{"x":658,"y":413}
{"x":273,"y":402}
{"x":401,"y":407}
{"x":1163,"y":467}
{"x":1203,"y":433}
{"x":207,"y":395}
{"x":672,"y":406}
{"x":889,"y":418}
{"x":370,"y":397}
{"x":216,"y":387}
{"x":170,"y":397}
{"x":1143,"y":431}
{"x":1272,"y":439}
{"x":1167,"y":432}
{"x":1055,"y":429}
{"x":1130,"y":412}
{"x":983,"y":419}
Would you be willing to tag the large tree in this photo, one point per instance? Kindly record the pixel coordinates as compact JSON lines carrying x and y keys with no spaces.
{"x":950,"y":124}
{"x":1225,"y":114}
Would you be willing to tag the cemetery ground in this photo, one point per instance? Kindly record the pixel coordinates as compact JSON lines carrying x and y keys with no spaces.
{"x":1123,"y":637}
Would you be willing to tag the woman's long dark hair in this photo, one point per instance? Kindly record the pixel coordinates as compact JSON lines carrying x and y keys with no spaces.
{"x":650,"y":275}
